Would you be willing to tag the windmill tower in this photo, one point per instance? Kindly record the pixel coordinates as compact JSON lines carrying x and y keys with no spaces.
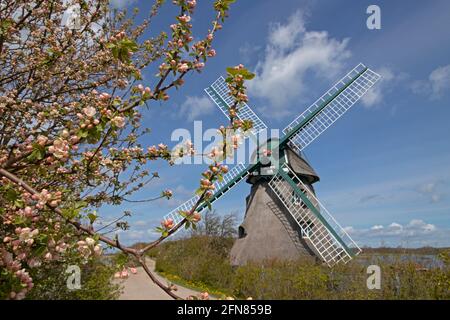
{"x":284,"y":219}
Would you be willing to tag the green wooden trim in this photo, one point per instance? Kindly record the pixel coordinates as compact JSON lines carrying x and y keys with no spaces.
{"x":225,"y":188}
{"x":286,"y":138}
{"x":219,"y":97}
{"x":314,"y":210}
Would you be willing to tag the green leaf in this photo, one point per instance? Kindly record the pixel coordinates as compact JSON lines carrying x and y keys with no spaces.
{"x":4,"y":26}
{"x":11,"y":195}
{"x":247,"y":75}
{"x":82,"y":133}
{"x":232,"y":71}
{"x":38,"y":152}
{"x":39,"y":251}
{"x":69,"y":213}
{"x":92,"y":217}
{"x":81,"y":204}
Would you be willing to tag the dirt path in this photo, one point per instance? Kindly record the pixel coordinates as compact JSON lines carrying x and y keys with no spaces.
{"x":140,"y":287}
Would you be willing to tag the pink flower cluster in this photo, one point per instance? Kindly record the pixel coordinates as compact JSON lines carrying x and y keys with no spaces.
{"x":124,"y":273}
{"x":14,"y":268}
{"x":88,"y":247}
{"x":145,"y":92}
{"x":167,"y":223}
{"x":45,"y":197}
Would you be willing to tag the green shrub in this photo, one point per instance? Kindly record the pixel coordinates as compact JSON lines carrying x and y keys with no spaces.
{"x":203,"y":260}
{"x":50,"y":282}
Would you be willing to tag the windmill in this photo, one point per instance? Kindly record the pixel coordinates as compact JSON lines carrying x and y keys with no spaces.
{"x":284,"y":218}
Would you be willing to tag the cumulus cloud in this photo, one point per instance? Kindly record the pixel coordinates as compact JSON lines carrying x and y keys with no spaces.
{"x":375,"y":95}
{"x":194,"y":108}
{"x":440,"y":81}
{"x":437,"y":84}
{"x":417,"y":233}
{"x":291,"y":52}
{"x":415,"y":227}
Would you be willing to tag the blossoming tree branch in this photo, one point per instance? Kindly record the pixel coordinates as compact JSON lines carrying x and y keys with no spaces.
{"x":71,"y":101}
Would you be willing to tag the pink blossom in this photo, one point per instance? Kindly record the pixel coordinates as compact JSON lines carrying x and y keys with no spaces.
{"x":118,"y":121}
{"x":104,"y":96}
{"x":168,"y":223}
{"x":184,"y":18}
{"x":98,"y":250}
{"x":89,"y":111}
{"x":42,"y":140}
{"x":183,"y":67}
{"x":90,"y":241}
{"x":211,"y":53}
{"x":60,"y":148}
{"x":199,"y":65}
{"x":196,"y":217}
{"x":204,"y":296}
{"x":124,"y":273}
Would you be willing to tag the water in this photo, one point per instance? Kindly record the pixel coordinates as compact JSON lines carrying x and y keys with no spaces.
{"x":429,"y":261}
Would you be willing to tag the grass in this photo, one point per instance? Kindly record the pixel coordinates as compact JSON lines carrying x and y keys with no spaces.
{"x":201,"y":263}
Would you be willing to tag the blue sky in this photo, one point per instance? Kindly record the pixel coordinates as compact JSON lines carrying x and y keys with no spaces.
{"x":384,"y":167}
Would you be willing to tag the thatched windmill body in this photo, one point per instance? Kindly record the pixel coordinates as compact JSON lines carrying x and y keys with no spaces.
{"x":284,"y":219}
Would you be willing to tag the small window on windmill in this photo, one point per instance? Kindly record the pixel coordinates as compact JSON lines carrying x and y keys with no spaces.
{"x":296,"y":199}
{"x":306,"y":228}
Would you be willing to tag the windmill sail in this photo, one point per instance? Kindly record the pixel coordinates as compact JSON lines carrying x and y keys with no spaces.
{"x":218,"y":92}
{"x":232,"y":178}
{"x":318,"y":228}
{"x":324,"y":234}
{"x":330,"y":107}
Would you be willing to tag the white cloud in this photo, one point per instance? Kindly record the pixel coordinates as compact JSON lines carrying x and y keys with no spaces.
{"x":292,"y":52}
{"x":140,"y":223}
{"x":440,"y":81}
{"x":415,"y":233}
{"x":194,"y":108}
{"x":431,"y":190}
{"x":437,"y":84}
{"x":120,"y":4}
{"x":375,"y":95}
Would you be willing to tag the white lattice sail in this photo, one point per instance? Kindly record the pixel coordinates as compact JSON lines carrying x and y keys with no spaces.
{"x":230,"y":179}
{"x":324,"y":234}
{"x":218,"y":92}
{"x":330,"y":106}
